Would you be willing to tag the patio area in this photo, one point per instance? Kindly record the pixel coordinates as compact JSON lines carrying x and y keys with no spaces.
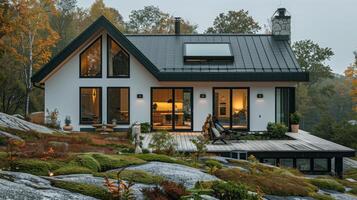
{"x":302,"y":142}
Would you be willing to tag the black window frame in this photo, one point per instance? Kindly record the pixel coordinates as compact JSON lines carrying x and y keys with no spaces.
{"x":100,"y":105}
{"x":230,"y":109}
{"x":291,"y":102}
{"x":101,"y":58}
{"x":207,"y":59}
{"x":119,"y":123}
{"x":108,"y":50}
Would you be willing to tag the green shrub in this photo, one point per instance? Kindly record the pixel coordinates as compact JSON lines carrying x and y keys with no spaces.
{"x":145,"y":127}
{"x":213,"y":163}
{"x":3,"y":155}
{"x":31,"y":166}
{"x":70,"y":169}
{"x":163,"y":142}
{"x":108,"y":162}
{"x":295,"y":118}
{"x":138,"y":176}
{"x":353,"y":191}
{"x":82,"y":188}
{"x":86,"y":161}
{"x":318,"y":196}
{"x":327,"y":184}
{"x":229,"y":190}
{"x":276,"y":130}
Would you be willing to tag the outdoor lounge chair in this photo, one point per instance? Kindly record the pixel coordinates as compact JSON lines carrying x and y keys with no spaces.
{"x":217,"y":135}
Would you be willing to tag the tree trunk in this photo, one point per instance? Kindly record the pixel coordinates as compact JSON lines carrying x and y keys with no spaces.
{"x":28,"y":77}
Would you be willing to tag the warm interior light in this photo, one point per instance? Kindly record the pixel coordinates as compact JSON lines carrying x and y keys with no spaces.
{"x":94,"y":94}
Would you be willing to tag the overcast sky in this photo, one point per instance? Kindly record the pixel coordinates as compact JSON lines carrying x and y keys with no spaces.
{"x":331,"y":23}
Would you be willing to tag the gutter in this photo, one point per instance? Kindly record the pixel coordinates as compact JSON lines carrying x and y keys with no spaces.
{"x":38,"y":86}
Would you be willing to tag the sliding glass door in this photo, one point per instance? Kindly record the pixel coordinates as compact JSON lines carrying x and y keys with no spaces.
{"x":171,"y":108}
{"x":231,"y":107}
{"x":284,"y":104}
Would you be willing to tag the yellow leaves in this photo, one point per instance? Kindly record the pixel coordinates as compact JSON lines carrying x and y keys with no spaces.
{"x":351,"y":75}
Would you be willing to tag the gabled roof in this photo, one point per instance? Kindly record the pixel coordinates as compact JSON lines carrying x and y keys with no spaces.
{"x":257,"y":57}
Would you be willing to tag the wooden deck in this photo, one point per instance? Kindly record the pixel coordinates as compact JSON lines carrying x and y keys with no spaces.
{"x":301,"y":141}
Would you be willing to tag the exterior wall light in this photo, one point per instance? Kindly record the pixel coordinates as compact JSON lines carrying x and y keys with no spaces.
{"x":260,"y":96}
{"x":202,"y":96}
{"x":139,"y":96}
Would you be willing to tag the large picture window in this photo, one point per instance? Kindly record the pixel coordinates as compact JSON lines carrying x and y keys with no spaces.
{"x":231,"y":107}
{"x":118,"y":105}
{"x":118,"y":60}
{"x":91,"y":60}
{"x":285,"y":104}
{"x":90,"y":108}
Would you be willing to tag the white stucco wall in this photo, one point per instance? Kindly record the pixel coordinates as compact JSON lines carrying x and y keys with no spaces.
{"x":62,"y":93}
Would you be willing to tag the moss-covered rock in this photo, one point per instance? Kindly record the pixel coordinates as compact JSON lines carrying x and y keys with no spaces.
{"x":328,"y":184}
{"x":160,"y":158}
{"x":70,"y":169}
{"x":138,"y":176}
{"x":82,"y":188}
{"x":108,"y":162}
{"x":86,"y":161}
{"x":32,"y":166}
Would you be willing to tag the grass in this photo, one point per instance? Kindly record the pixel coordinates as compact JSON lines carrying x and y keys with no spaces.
{"x":86,"y":161}
{"x":322,"y":196}
{"x":327,"y":184}
{"x":69,"y":169}
{"x":35,"y":166}
{"x":108,"y":162}
{"x":82,"y":188}
{"x":137,"y":176}
{"x":276,"y":182}
{"x":352,"y":173}
{"x":161,"y":158}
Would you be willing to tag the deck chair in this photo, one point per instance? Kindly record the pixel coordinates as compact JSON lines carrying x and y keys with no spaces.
{"x":217,"y":135}
{"x":221,"y":129}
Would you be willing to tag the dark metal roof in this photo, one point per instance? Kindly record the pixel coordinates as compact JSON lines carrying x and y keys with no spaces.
{"x":252,"y":53}
{"x":257,"y":57}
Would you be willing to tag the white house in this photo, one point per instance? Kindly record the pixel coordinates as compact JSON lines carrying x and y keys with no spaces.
{"x":173,"y":81}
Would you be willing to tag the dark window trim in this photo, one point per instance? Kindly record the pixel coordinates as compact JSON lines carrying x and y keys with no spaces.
{"x":173,"y":107}
{"x":328,"y":165}
{"x":119,"y":123}
{"x":108,"y":50}
{"x":292,"y":104}
{"x":230,"y":109}
{"x":100,"y":105}
{"x":101,"y":59}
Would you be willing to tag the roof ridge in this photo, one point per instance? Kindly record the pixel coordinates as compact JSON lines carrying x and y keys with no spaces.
{"x":197,"y":34}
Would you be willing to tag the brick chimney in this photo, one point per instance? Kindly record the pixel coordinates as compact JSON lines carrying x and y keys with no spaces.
{"x":281,"y":25}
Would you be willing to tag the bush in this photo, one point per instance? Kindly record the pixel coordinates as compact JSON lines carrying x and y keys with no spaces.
{"x":138,"y":176}
{"x":86,"y":161}
{"x":270,"y":181}
{"x":154,"y":194}
{"x":327,"y":184}
{"x":229,"y":190}
{"x":108,"y":162}
{"x":163,"y":142}
{"x":145,"y":127}
{"x":295,"y":118}
{"x":173,"y":190}
{"x":276,"y":130}
{"x":82,"y":188}
{"x":69,"y":169}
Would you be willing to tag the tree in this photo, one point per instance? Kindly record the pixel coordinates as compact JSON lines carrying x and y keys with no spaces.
{"x":151,"y":19}
{"x":98,"y":9}
{"x":234,"y":22}
{"x":311,"y":58}
{"x":351,"y":76}
{"x":63,"y":22}
{"x":32,"y":38}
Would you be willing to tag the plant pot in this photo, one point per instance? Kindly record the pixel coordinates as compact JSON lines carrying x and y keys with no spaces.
{"x":295,"y":128}
{"x":67,"y":128}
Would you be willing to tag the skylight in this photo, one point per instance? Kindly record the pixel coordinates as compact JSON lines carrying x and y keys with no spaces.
{"x":207,"y":52}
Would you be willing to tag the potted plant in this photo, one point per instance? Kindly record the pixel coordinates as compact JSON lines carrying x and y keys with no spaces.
{"x":294,"y":121}
{"x":67,"y":122}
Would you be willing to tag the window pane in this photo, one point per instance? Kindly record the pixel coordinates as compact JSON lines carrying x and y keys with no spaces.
{"x":90,"y":105}
{"x":207,"y":49}
{"x":287,"y":162}
{"x":162,"y":109}
{"x":285,"y":104}
{"x":118,"y":105}
{"x":270,"y":161}
{"x":91,"y":60}
{"x":118,"y":60}
{"x":320,"y":164}
{"x":183,"y":108}
{"x":240,"y":109}
{"x":303,"y":164}
{"x":222,"y":106}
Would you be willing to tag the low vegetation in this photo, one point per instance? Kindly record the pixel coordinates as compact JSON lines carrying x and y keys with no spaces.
{"x":230,"y":190}
{"x":71,"y":169}
{"x":167,"y":191}
{"x":108,"y":162}
{"x":35,"y":166}
{"x":82,"y":188}
{"x":137,"y":176}
{"x":327,"y":184}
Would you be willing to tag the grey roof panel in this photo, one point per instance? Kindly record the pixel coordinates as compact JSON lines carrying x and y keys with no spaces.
{"x":252,"y":53}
